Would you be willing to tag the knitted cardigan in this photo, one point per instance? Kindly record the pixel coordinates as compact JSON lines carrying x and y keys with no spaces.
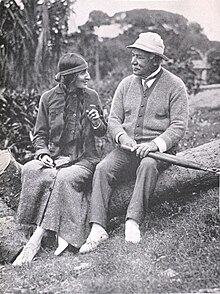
{"x":160,"y":112}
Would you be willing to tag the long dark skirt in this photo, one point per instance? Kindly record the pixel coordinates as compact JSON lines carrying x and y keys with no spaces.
{"x":56,"y":200}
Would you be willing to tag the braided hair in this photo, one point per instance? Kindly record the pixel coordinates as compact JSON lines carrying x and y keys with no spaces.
{"x":69,"y":66}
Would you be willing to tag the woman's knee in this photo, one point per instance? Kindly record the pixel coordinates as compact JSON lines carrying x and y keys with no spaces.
{"x":32,"y":165}
{"x":73,"y":174}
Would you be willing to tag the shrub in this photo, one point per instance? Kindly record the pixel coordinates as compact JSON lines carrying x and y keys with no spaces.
{"x":18,"y":114}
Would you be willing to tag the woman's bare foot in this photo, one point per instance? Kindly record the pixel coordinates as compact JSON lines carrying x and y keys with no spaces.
{"x":62,"y":245}
{"x":27,"y":254}
{"x":31,"y":248}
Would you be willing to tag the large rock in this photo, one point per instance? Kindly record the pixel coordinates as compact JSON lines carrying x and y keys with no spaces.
{"x":10,"y":179}
{"x":172,"y":183}
{"x":12,"y":236}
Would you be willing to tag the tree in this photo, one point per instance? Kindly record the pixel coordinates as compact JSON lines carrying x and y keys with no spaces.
{"x":17,"y":41}
{"x":213,"y":57}
{"x":32,"y":37}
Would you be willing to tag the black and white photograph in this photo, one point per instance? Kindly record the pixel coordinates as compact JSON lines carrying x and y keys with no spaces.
{"x":109,"y":146}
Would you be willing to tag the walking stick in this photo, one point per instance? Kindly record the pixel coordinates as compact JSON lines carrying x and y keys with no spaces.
{"x":176,"y":161}
{"x":181,"y":162}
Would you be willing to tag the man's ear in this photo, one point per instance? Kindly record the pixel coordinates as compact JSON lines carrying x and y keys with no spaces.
{"x":156,"y":60}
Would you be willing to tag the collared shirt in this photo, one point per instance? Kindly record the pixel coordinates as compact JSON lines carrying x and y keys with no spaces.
{"x":151,"y":78}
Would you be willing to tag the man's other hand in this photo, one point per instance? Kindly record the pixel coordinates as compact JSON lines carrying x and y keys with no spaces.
{"x":125,"y":140}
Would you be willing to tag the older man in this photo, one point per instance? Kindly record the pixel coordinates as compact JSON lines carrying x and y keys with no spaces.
{"x":149,"y":113}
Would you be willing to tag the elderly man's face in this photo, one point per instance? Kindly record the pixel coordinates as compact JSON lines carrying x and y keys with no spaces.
{"x":142,"y":63}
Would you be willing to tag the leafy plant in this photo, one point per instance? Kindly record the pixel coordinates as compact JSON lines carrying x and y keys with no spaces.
{"x":17,"y":116}
{"x":32,"y":37}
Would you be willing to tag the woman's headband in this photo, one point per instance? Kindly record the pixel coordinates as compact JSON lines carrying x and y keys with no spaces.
{"x":71,"y":71}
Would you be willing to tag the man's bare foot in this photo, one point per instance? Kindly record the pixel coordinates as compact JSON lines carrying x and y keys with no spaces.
{"x":97,"y":236}
{"x":132,"y":231}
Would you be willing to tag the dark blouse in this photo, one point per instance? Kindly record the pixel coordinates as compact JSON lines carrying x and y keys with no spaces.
{"x":50,"y":136}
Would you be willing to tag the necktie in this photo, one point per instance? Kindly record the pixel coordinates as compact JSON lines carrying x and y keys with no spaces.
{"x":145,"y":86}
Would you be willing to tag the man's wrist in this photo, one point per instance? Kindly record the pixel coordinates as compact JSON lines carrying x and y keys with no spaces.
{"x":155,"y":146}
{"x":161,"y":144}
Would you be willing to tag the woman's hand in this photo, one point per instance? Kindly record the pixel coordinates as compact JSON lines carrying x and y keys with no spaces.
{"x":47,"y":161}
{"x":93,"y":116}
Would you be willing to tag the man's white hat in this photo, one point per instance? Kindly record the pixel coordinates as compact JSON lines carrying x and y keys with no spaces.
{"x":150,"y":42}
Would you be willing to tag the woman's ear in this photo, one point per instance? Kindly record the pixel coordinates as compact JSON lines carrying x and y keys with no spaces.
{"x":68,"y":79}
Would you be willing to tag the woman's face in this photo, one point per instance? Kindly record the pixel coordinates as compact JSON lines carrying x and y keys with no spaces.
{"x":82,"y":79}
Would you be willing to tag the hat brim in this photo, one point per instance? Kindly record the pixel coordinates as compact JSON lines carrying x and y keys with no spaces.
{"x":147,"y":50}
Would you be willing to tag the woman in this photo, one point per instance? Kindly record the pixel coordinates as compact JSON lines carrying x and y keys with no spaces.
{"x":56,"y":184}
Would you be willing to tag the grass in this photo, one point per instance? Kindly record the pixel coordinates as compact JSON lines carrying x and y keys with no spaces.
{"x":179,"y":251}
